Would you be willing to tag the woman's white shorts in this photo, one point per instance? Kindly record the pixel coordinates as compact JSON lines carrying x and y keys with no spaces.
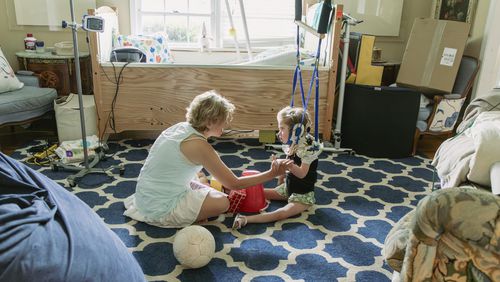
{"x":184,"y":214}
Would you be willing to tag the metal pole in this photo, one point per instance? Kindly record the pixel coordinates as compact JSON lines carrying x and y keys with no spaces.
{"x":343,"y":69}
{"x":233,"y":30}
{"x":245,"y":27}
{"x":74,"y":27}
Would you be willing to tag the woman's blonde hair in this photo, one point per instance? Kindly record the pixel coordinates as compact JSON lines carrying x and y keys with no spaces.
{"x":209,"y":108}
{"x":291,"y":116}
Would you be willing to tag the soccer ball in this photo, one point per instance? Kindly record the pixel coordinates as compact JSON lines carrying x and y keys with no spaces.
{"x":194,"y":246}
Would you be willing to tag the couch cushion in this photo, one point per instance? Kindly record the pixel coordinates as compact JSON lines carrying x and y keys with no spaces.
{"x":446,"y":115}
{"x":25,"y":103}
{"x":422,"y":125}
{"x":424,"y":113}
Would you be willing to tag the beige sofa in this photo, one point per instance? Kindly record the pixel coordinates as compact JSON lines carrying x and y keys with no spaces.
{"x":454,"y":233}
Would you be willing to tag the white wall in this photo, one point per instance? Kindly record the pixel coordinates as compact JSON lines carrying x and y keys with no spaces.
{"x":489,"y":74}
{"x":12,"y":35}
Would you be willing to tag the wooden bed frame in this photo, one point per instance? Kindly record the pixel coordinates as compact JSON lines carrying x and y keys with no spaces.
{"x":155,"y":96}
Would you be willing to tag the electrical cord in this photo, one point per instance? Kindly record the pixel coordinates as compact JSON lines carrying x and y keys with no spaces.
{"x":110,"y":120}
{"x":42,"y":155}
{"x":118,"y":79}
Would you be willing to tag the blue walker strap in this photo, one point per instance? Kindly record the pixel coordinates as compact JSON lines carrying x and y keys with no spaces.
{"x":297,"y":76}
{"x":298,"y":132}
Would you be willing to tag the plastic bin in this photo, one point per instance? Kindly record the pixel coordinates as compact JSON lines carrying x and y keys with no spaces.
{"x":68,"y":117}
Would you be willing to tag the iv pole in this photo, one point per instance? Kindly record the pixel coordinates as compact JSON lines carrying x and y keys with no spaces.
{"x":87,"y":168}
{"x":76,"y":53}
{"x":343,"y":70}
{"x":349,"y":21}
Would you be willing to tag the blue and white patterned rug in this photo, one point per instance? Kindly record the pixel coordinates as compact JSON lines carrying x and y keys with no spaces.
{"x":358,"y":199}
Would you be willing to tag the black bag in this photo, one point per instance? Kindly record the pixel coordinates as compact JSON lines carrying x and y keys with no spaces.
{"x":127,"y":55}
{"x":379,"y":121}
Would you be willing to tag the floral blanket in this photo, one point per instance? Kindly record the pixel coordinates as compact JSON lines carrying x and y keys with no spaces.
{"x":453,"y":235}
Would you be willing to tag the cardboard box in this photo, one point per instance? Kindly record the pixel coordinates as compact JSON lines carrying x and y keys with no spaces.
{"x":432,"y":55}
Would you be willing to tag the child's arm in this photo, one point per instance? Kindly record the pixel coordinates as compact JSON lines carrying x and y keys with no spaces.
{"x":281,"y":179}
{"x":299,"y":171}
{"x":283,"y":163}
{"x":306,"y":161}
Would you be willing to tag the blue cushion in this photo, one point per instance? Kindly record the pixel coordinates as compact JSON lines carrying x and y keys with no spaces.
{"x":48,"y":234}
{"x":424,"y":113}
{"x":28,"y":78}
{"x":421,"y":125}
{"x":26,"y":103}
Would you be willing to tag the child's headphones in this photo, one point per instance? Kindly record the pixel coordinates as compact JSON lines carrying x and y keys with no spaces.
{"x":298,"y":129}
{"x":296,"y":132}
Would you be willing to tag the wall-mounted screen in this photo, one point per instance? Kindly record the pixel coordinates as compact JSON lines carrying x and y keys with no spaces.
{"x":49,"y":12}
{"x":381,"y":17}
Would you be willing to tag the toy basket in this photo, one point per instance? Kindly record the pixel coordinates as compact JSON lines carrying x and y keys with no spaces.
{"x":235,"y":199}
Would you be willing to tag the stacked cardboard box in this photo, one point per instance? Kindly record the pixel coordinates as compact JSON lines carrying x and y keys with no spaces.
{"x":432,"y":55}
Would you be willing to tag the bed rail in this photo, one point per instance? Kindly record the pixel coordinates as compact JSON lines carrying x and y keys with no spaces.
{"x":153,"y":97}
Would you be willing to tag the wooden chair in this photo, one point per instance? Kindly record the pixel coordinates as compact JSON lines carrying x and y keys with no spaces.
{"x":448,"y":109}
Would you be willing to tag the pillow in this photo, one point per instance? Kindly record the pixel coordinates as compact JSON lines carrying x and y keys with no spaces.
{"x":446,"y":115}
{"x":155,"y":46}
{"x":485,"y":133}
{"x":8,"y":79}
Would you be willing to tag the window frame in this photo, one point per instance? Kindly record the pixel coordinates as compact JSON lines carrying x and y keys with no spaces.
{"x":216,"y":18}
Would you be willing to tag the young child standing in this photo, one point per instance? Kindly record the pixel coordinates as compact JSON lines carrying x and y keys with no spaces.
{"x":166,"y":194}
{"x":298,"y":185}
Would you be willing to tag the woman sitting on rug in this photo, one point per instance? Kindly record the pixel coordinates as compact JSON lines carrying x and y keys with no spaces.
{"x":301,"y":176}
{"x":166,"y":194}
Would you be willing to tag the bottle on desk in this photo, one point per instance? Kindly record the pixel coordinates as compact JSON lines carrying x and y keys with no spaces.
{"x":29,"y":43}
{"x":204,"y":39}
{"x":40,"y":46}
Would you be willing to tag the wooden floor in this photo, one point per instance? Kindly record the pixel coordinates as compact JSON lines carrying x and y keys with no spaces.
{"x":14,"y":137}
{"x":428,"y":145}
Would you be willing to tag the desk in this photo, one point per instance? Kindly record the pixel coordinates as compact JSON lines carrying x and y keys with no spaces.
{"x":56,"y":71}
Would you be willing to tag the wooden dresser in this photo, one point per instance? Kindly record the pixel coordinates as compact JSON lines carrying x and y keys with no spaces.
{"x":57,"y":71}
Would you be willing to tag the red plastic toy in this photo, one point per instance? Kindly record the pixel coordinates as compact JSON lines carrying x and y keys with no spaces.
{"x":255,"y":201}
{"x":235,"y":199}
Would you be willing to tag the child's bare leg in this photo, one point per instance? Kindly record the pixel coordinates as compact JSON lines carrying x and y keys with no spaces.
{"x":272,"y":194}
{"x":287,"y":211}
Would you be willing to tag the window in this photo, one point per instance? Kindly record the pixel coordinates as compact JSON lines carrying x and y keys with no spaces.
{"x":269,"y":22}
